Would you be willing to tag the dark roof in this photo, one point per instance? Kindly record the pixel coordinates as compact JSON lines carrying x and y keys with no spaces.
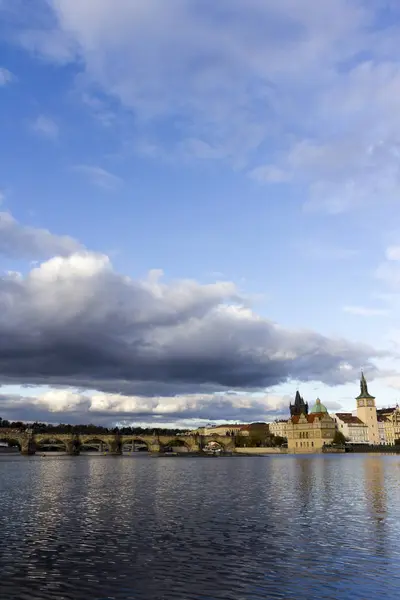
{"x":349,"y":419}
{"x":385,"y":411}
{"x":228,"y":425}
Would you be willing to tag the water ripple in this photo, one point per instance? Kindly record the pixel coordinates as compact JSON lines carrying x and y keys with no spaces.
{"x":137,"y":528}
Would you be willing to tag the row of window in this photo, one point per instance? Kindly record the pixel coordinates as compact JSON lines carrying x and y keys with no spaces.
{"x":305,"y":444}
{"x":308,"y":434}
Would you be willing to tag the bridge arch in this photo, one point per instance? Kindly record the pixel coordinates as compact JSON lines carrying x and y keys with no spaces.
{"x":135,"y":441}
{"x":213,"y":445}
{"x":10,"y":439}
{"x":217,"y":438}
{"x":226,"y":443}
{"x":50,"y":440}
{"x":93,"y":443}
{"x":176,"y":443}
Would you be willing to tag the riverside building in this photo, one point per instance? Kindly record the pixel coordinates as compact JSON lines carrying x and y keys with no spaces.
{"x":353,"y":429}
{"x":366,"y":412}
{"x":310,"y":432}
{"x":369,"y":425}
{"x":390,"y":418}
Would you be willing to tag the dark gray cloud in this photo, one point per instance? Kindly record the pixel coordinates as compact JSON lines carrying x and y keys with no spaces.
{"x":21,"y":241}
{"x":76,"y":322}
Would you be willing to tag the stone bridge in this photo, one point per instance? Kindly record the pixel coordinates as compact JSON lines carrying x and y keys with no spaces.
{"x":29,"y":441}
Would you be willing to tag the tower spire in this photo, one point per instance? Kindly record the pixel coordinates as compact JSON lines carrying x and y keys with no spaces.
{"x":363,"y":388}
{"x":299,"y":407}
{"x":363,"y":383}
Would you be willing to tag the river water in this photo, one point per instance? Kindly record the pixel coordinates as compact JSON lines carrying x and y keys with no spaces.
{"x":245,"y":528}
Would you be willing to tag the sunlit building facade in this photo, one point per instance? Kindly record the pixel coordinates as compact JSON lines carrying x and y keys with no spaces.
{"x":353,"y":429}
{"x":308,"y":433}
{"x":366,"y":412}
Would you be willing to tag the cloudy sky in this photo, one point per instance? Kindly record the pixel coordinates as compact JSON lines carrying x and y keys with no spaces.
{"x":199,"y":207}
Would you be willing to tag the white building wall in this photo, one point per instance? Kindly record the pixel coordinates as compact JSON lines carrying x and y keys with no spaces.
{"x":381,"y":429}
{"x":278,"y":428}
{"x":356,"y":433}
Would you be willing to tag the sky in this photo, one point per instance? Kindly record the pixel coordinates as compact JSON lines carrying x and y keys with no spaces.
{"x":199,"y":208}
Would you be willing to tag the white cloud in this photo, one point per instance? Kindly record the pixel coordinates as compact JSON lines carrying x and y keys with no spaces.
{"x":393,"y":253}
{"x":323,"y":250}
{"x":45,"y":127}
{"x":364,"y":311}
{"x":389,"y":273}
{"x":276,"y":88}
{"x":99,"y":177}
{"x":5,"y":77}
{"x":269,"y":174}
{"x":188,"y":410}
{"x":18,"y":241}
{"x":62,"y":401}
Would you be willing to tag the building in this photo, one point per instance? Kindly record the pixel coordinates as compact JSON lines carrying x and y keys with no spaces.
{"x":391,"y":424}
{"x":366,"y":412}
{"x":386,"y":412}
{"x":228,"y":429}
{"x":279,"y":428}
{"x":353,"y":429}
{"x":299,"y":407}
{"x":382,"y":429}
{"x":307,"y":433}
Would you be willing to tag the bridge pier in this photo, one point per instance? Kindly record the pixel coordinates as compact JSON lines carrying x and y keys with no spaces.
{"x":72,"y":448}
{"x":154,"y":447}
{"x":115,"y":447}
{"x":28,"y":446}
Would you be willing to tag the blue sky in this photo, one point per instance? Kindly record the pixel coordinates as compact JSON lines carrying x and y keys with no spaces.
{"x":249,"y":151}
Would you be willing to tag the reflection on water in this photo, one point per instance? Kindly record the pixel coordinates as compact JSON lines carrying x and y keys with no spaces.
{"x":142,"y":528}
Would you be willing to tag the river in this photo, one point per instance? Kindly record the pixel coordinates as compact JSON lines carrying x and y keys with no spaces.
{"x":247,"y":528}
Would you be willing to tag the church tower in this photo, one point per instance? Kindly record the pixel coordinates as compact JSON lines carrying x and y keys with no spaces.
{"x":299,"y":407}
{"x":366,"y":411}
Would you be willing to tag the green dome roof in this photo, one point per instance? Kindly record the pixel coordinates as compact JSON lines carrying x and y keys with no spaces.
{"x":318,"y":407}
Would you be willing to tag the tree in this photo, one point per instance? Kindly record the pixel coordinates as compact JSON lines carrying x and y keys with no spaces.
{"x":241,"y":440}
{"x":259,"y":435}
{"x":339,"y":438}
{"x":277,"y":440}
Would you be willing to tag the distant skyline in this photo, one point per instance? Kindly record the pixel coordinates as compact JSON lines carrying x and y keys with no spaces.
{"x":199,"y":208}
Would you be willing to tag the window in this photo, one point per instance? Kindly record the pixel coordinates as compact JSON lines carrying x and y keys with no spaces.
{"x":312,"y":444}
